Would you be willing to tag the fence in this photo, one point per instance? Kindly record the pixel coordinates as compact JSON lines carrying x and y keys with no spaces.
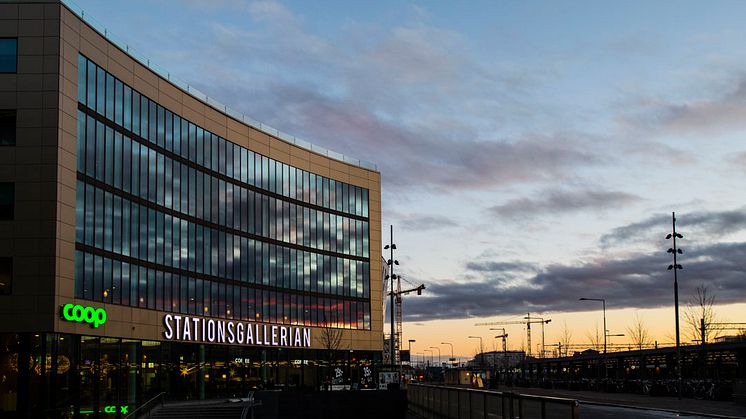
{"x":433,"y":402}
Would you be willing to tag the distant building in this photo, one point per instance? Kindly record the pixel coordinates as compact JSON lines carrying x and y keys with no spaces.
{"x":497,"y":359}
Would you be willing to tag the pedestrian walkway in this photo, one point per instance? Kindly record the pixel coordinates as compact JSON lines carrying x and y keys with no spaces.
{"x":673,"y":404}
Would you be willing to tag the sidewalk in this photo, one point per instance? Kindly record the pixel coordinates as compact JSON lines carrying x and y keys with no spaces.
{"x":701,"y":407}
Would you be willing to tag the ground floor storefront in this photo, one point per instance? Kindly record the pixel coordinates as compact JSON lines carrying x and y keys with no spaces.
{"x":52,"y":375}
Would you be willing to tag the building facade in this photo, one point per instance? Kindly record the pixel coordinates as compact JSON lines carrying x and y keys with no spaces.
{"x":153,"y":241}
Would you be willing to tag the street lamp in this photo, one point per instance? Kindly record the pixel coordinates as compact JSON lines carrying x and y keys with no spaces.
{"x":603,"y":301}
{"x":675,"y":266}
{"x":435,"y":347}
{"x":481,"y":348}
{"x":450,"y":361}
{"x":391,"y":262}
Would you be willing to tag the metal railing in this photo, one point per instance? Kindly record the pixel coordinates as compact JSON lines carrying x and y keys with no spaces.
{"x":249,"y":404}
{"x":146,"y":407}
{"x":433,"y":402}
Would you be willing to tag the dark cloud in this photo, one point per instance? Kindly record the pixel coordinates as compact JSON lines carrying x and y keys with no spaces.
{"x":423,"y":222}
{"x":703,"y":224}
{"x":564,"y":201}
{"x":640,"y":281}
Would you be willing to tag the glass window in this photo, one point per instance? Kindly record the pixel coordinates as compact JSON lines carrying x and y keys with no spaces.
{"x":161,"y":128}
{"x":6,"y":275}
{"x":177,"y":134}
{"x":7,"y":200}
{"x":91,"y":85}
{"x":109,"y":96}
{"x":82,"y":65}
{"x":100,"y":91}
{"x":169,"y":131}
{"x":200,"y":144}
{"x":144,"y":131}
{"x":8,"y":127}
{"x":127,"y":107}
{"x":118,"y":99}
{"x":135,"y":112}
{"x":8,"y":55}
{"x":153,"y":122}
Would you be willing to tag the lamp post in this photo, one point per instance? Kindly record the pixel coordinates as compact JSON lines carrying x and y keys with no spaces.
{"x":603,"y":301}
{"x":435,"y":347}
{"x":675,"y":266}
{"x":481,"y":348}
{"x":391,"y":262}
{"x":451,"y":359}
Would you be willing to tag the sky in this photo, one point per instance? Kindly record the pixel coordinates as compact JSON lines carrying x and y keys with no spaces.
{"x":531,"y":152}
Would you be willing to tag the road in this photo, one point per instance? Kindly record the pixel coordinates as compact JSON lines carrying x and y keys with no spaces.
{"x":591,"y":411}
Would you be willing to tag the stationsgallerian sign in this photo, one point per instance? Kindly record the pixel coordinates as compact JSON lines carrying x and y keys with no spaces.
{"x":197,"y":329}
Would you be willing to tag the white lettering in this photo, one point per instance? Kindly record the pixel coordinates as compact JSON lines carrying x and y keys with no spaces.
{"x":274,"y":335}
{"x":210,"y":330}
{"x":196,"y":322}
{"x":307,"y":338}
{"x":249,"y":335}
{"x":297,"y":337}
{"x":178,"y":327}
{"x":221,"y":331}
{"x":187,"y":334}
{"x":283,"y":336}
{"x":231,"y":337}
{"x":169,"y":333}
{"x":239,"y":333}
{"x":264,"y":335}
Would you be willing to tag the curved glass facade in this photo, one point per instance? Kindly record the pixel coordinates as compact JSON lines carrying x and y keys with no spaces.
{"x":172,"y":217}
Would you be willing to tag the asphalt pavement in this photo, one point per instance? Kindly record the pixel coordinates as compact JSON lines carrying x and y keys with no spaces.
{"x":624,"y":405}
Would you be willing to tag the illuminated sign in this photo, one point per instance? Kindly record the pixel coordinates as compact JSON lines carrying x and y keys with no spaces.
{"x":113,"y":409}
{"x":77,"y":313}
{"x":196,"y":329}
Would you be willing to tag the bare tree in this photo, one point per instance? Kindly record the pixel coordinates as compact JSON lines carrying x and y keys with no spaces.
{"x":639,"y":333}
{"x":330,"y":338}
{"x":701,"y":306}
{"x":566,"y":338}
{"x":596,"y":338}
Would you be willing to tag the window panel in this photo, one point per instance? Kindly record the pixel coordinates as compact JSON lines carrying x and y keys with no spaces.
{"x":82,"y":65}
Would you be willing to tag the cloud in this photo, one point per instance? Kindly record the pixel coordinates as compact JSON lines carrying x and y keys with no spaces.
{"x":720,"y":112}
{"x":564,"y":201}
{"x":413,"y":92}
{"x":703,"y":224}
{"x":424,"y":222}
{"x":639,"y":281}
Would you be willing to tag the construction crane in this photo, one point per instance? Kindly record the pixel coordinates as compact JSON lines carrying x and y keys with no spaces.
{"x":528,"y":321}
{"x":397,"y":306}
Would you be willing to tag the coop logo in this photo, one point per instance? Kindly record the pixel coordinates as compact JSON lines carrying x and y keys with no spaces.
{"x":77,"y":313}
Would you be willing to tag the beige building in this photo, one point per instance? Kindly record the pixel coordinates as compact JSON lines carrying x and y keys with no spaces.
{"x":153,"y":240}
